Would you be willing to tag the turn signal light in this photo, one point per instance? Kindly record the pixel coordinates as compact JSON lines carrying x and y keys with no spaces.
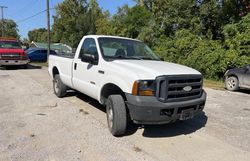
{"x":146,"y":93}
{"x":135,"y":88}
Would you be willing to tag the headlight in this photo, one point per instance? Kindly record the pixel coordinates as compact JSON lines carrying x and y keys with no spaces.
{"x":144,"y":88}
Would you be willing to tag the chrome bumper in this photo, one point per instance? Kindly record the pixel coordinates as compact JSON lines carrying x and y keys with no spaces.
{"x":14,"y":62}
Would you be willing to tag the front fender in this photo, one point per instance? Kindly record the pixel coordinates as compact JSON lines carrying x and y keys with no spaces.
{"x":125,"y":86}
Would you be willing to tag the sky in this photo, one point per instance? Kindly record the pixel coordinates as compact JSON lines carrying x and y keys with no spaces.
{"x":21,"y":10}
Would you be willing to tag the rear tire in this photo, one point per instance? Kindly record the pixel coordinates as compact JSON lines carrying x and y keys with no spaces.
{"x":232,"y":83}
{"x":60,"y":89}
{"x":116,"y":115}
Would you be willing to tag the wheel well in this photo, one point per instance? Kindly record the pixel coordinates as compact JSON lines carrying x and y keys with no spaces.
{"x":110,"y":89}
{"x":232,"y":75}
{"x":55,"y":71}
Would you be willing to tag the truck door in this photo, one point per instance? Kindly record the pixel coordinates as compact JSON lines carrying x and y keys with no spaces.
{"x":246,"y":77}
{"x":84,"y":73}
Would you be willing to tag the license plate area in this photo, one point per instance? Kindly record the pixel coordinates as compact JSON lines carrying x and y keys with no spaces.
{"x":187,"y":114}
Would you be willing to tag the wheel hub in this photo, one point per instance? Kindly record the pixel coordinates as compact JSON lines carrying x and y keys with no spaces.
{"x":56,"y":86}
{"x":231,"y":83}
{"x":110,"y":116}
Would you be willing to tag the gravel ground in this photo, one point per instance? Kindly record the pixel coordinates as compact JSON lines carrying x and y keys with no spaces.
{"x":36,"y":125}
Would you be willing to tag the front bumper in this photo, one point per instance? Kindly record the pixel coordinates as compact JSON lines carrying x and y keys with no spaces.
{"x":14,"y":62}
{"x":148,"y":110}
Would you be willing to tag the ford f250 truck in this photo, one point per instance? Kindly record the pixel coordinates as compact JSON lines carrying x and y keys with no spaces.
{"x":130,"y":80}
{"x":11,"y":53}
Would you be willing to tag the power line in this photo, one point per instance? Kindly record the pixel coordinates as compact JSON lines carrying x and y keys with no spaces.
{"x":2,"y":7}
{"x":20,"y":11}
{"x":27,"y":18}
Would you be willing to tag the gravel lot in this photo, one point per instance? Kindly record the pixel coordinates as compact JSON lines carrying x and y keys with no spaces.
{"x":35,"y":125}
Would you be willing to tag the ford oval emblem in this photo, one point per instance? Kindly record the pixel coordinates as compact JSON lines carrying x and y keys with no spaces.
{"x":187,"y":88}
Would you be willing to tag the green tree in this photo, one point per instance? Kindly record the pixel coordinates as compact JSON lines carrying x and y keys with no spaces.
{"x":95,"y":13}
{"x":148,"y":4}
{"x":136,"y":19}
{"x":38,"y":35}
{"x":130,"y":22}
{"x":71,"y":22}
{"x":118,"y":20}
{"x":10,"y":28}
{"x":172,"y":15}
{"x":76,"y":18}
{"x":104,"y":25}
{"x":237,"y":41}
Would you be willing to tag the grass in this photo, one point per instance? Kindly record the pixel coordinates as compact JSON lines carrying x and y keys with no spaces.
{"x":219,"y":85}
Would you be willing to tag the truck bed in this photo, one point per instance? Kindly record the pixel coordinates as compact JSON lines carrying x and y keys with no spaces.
{"x":64,"y":64}
{"x":66,"y":55}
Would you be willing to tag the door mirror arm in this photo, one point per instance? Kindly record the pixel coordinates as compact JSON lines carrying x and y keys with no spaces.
{"x":92,"y":59}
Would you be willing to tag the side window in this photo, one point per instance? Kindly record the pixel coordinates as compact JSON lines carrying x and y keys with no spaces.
{"x":88,"y":47}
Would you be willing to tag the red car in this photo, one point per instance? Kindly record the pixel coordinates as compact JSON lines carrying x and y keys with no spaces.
{"x":11,"y":53}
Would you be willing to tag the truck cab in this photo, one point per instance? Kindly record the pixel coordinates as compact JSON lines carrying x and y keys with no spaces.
{"x":11,"y":53}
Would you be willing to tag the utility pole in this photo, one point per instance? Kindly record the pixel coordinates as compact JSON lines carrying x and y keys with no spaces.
{"x":2,"y":7}
{"x":48,"y":30}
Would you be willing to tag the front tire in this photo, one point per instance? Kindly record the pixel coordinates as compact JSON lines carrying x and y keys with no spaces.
{"x":232,"y":83}
{"x":116,"y":115}
{"x":60,"y":89}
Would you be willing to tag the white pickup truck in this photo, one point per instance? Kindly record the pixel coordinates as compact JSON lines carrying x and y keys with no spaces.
{"x":130,"y":80}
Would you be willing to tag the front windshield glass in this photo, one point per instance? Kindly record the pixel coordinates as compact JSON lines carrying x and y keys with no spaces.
{"x":10,"y":45}
{"x":117,"y":48}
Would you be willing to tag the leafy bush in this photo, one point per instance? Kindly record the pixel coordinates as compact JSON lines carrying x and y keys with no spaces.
{"x":211,"y":57}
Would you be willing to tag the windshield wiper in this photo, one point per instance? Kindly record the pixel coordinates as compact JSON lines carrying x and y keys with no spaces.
{"x":127,"y":57}
{"x":148,"y":58}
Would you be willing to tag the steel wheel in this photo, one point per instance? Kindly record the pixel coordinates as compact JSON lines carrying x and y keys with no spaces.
{"x":59,"y":88}
{"x":56,"y":86}
{"x":110,"y":116}
{"x":232,"y":83}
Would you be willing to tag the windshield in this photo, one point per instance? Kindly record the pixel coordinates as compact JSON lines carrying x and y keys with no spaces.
{"x":117,"y":48}
{"x":10,"y":45}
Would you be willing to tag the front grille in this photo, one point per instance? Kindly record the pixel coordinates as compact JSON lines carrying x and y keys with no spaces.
{"x":178,"y":88}
{"x":11,"y":56}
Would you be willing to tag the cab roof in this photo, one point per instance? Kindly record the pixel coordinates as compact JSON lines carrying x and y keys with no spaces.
{"x":109,"y":36}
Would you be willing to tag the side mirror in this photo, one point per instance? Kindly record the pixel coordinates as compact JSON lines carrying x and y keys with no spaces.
{"x":92,"y":59}
{"x":248,"y":67}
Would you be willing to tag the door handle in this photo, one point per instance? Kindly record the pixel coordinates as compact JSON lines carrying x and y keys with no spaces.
{"x":75,"y":66}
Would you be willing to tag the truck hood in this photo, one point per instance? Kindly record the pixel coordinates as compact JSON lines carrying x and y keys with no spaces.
{"x":11,"y":50}
{"x":149,"y":69}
